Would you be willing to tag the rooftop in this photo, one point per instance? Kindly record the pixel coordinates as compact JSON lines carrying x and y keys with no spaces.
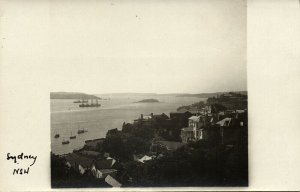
{"x":195,"y":118}
{"x":103,"y":164}
{"x":89,"y":153}
{"x":144,"y":158}
{"x":72,"y":158}
{"x":163,"y":115}
{"x":108,"y":170}
{"x":224,"y":122}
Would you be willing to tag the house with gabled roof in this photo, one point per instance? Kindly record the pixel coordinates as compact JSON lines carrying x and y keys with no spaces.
{"x":224,"y":122}
{"x":102,"y":168}
{"x":79,"y":163}
{"x":231,"y":128}
{"x":181,"y":115}
{"x":194,"y":131}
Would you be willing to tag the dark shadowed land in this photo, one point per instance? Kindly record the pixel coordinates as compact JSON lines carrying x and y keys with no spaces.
{"x":71,"y":95}
{"x":207,"y":95}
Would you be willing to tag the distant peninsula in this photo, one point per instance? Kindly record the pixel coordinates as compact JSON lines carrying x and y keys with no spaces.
{"x":148,"y":101}
{"x":207,"y":95}
{"x":71,"y":95}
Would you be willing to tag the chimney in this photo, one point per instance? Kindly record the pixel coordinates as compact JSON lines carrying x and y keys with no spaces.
{"x":142,"y":116}
{"x":151,"y":115}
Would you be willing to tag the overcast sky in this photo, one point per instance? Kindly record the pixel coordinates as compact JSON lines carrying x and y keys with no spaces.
{"x":130,"y":46}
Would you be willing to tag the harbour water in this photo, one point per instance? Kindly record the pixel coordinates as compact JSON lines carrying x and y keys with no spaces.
{"x":67,"y":117}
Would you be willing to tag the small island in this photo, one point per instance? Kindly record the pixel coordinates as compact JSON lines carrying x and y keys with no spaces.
{"x":148,"y":101}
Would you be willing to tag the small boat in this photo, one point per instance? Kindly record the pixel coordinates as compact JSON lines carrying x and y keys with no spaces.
{"x":56,"y":136}
{"x":80,"y":131}
{"x":64,"y":142}
{"x":72,"y":136}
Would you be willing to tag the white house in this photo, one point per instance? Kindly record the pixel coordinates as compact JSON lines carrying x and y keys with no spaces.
{"x":102,"y":173}
{"x":102,"y":168}
{"x":194,"y":131}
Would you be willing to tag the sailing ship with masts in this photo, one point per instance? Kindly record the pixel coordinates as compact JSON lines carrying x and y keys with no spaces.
{"x":81,"y":101}
{"x":72,"y":136}
{"x":92,"y":104}
{"x":81,"y":130}
{"x":64,"y":142}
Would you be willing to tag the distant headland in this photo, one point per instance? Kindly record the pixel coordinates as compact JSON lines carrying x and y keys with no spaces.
{"x":71,"y":95}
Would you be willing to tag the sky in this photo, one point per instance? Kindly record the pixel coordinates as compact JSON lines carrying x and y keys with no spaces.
{"x":128,"y":46}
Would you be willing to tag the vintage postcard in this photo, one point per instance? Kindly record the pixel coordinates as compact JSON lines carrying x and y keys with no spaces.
{"x":148,"y":95}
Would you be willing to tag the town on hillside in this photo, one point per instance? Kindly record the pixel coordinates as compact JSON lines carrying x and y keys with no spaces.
{"x":203,"y":144}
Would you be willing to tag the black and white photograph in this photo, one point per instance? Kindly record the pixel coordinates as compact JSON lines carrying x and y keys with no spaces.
{"x":149,"y":95}
{"x":166,"y":102}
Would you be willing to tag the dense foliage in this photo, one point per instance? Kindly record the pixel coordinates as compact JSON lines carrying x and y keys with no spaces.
{"x":65,"y":177}
{"x":194,"y":106}
{"x":131,"y":140}
{"x":194,"y":165}
{"x":234,"y":101}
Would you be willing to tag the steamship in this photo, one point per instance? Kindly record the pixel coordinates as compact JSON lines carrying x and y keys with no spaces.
{"x":92,"y":104}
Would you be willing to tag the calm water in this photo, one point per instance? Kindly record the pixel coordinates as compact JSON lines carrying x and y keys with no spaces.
{"x":67,"y":117}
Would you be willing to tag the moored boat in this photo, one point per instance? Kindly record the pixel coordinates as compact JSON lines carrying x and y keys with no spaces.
{"x":64,"y":142}
{"x":80,"y":131}
{"x":72,"y":136}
